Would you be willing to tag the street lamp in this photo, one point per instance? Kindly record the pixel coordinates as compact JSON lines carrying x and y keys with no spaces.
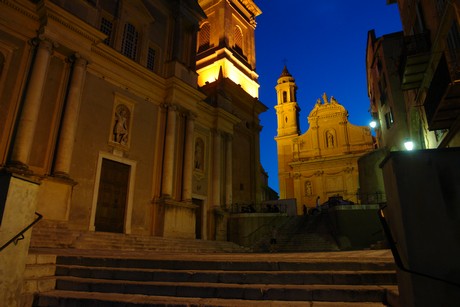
{"x":373,"y":124}
{"x":409,"y":145}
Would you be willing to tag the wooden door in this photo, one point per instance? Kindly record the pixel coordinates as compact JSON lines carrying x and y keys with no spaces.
{"x":198,"y":219}
{"x":112,"y":196}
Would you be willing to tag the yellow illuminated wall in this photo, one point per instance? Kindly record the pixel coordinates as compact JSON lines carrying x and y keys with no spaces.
{"x":210,"y":74}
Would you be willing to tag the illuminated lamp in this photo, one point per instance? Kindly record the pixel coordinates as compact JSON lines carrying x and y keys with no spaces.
{"x":409,"y":145}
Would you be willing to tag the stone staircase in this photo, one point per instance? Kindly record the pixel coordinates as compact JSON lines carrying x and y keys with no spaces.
{"x":47,"y":234}
{"x":323,"y":279}
{"x":301,"y":234}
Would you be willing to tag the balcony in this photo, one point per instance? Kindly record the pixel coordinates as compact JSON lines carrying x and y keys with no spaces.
{"x":442,"y":103}
{"x":415,"y":57}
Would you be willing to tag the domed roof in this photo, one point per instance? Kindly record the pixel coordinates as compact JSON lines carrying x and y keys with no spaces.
{"x":285,"y":72}
{"x":285,"y":76}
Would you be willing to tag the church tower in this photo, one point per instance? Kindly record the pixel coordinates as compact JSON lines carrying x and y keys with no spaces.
{"x":287,"y":109}
{"x":226,"y":63}
{"x":226,"y":43}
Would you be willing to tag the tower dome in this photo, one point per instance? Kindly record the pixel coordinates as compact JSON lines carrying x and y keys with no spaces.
{"x":285,"y":76}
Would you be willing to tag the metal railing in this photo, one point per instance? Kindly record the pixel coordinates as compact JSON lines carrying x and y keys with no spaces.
{"x":257,"y":208}
{"x":20,"y":235}
{"x":398,"y":261}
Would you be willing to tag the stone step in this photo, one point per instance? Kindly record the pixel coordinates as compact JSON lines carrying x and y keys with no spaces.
{"x":50,"y":235}
{"x":76,"y":298}
{"x":245,"y":264}
{"x":232,"y":277}
{"x":338,"y":293}
{"x":93,"y":278}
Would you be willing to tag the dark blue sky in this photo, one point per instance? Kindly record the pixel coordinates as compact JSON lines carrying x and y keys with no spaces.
{"x":323,"y":44}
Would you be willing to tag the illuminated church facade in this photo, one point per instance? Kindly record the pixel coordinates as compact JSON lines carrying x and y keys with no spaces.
{"x":323,"y":161}
{"x":135,"y":117}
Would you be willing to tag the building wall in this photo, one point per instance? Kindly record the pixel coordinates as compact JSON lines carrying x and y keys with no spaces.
{"x":85,"y":113}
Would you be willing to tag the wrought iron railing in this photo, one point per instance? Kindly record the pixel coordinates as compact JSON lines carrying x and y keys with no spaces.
{"x":20,"y":235}
{"x":257,"y":208}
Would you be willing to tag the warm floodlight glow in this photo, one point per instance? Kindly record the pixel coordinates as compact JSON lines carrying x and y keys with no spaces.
{"x":239,"y":74}
{"x":373,"y":124}
{"x":409,"y":145}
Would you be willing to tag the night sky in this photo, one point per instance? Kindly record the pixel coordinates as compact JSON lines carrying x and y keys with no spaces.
{"x":323,"y":44}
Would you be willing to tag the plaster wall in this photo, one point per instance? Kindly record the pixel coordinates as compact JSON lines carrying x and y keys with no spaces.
{"x":251,"y":229}
{"x":19,"y":211}
{"x":179,"y":221}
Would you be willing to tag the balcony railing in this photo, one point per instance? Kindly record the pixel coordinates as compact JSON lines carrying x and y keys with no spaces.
{"x":415,"y":58}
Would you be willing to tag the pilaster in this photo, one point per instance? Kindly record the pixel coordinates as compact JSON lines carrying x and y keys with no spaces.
{"x":228,"y":171}
{"x":70,"y":119}
{"x":31,"y":107}
{"x":216,"y":171}
{"x":169,"y":152}
{"x":188,"y":158}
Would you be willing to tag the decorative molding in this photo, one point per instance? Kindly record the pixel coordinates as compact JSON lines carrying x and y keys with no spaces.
{"x":49,"y":11}
{"x":14,"y":5}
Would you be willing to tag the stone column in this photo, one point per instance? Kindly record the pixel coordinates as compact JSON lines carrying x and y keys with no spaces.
{"x":216,"y":173}
{"x":188,"y":158}
{"x":70,"y":119}
{"x":31,"y":107}
{"x":228,"y":172}
{"x":169,"y":151}
{"x":344,"y":125}
{"x":315,"y":140}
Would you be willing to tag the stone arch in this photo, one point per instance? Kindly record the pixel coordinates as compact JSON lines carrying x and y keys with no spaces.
{"x":238,"y":39}
{"x":330,"y":138}
{"x":204,"y":36}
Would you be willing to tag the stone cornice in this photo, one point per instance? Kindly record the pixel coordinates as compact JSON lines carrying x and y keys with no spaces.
{"x":50,"y":12}
{"x":21,"y":8}
{"x":251,"y":6}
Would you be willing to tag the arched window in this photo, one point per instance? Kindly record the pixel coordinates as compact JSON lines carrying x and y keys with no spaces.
{"x":284,"y":96}
{"x":129,"y":43}
{"x":238,"y":39}
{"x":204,"y":36}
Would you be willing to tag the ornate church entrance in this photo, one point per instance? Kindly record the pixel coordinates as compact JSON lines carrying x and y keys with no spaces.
{"x":112,"y":196}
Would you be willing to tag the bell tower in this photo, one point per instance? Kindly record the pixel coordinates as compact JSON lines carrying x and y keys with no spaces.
{"x":226,"y":42}
{"x":287,"y":109}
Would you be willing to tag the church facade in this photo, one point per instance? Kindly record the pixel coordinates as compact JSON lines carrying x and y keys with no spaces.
{"x":323,"y":161}
{"x":135,"y":117}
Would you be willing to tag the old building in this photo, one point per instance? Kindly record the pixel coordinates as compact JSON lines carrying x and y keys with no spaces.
{"x":134,"y":117}
{"x":420,"y":185}
{"x":323,"y":160}
{"x":428,"y":71}
{"x":384,"y":90}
